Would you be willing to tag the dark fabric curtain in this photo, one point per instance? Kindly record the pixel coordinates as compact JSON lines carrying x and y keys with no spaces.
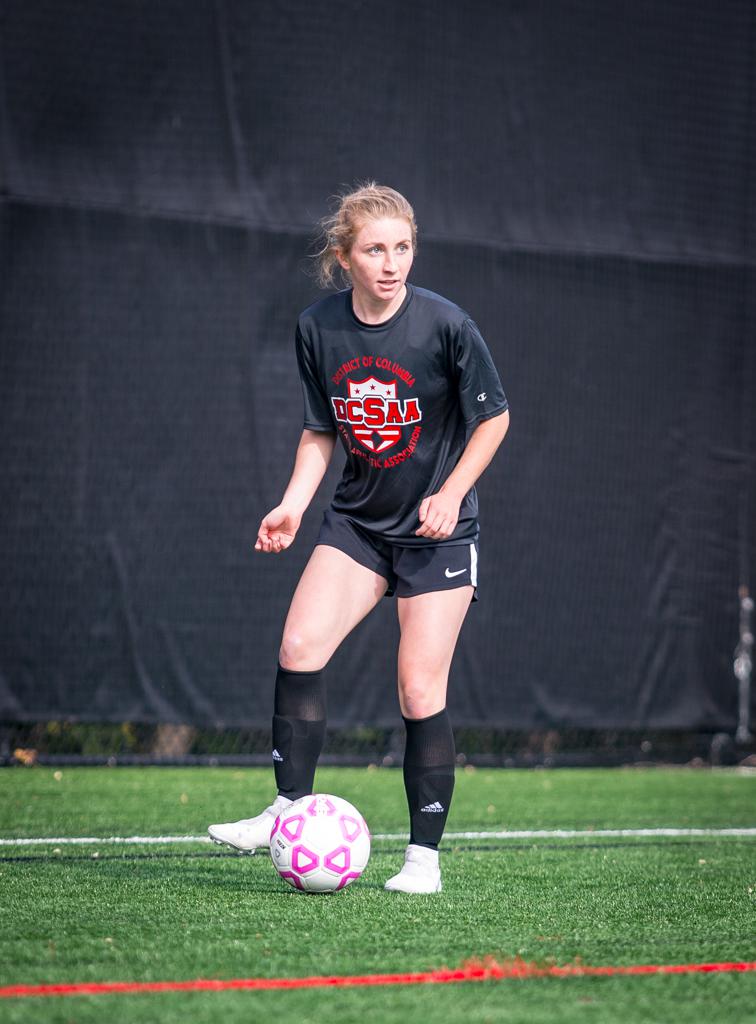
{"x":582,"y":173}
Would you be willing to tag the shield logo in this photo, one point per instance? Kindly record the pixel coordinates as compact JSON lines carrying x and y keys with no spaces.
{"x":375,"y":439}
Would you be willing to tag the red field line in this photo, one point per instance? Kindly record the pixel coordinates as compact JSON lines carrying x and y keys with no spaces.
{"x":487,"y":970}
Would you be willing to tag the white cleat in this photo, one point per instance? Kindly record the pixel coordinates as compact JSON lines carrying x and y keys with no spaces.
{"x":420,"y":874}
{"x":249,"y":834}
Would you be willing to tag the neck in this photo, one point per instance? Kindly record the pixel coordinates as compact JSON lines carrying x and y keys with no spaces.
{"x":373,"y":311}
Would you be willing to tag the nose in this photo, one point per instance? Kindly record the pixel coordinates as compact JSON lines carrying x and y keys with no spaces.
{"x":389,"y":262}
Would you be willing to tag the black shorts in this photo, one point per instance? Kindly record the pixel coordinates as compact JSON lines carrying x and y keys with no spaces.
{"x":408,"y":570}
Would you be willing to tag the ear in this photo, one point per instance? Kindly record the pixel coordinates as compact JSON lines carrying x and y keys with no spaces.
{"x":343,"y":261}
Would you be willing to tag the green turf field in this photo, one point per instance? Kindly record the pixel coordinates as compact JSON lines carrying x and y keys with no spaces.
{"x":99,"y":912}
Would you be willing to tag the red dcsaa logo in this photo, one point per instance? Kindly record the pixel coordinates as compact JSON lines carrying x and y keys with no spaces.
{"x":375,"y":414}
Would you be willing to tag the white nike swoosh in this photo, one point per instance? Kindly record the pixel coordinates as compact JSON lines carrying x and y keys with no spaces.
{"x":457,"y":573}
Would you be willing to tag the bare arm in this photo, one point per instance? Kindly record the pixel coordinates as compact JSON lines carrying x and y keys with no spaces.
{"x":439,"y":512}
{"x":279,"y":527}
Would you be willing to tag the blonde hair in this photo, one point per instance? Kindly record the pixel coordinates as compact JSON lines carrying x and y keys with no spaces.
{"x":368,"y":201}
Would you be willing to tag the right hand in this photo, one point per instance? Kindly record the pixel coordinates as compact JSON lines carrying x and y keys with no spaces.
{"x":277,"y":530}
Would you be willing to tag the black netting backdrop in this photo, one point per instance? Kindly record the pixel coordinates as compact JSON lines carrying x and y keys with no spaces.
{"x":583,"y":175}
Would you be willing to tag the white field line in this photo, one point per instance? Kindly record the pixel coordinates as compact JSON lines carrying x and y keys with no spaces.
{"x":592,"y":833}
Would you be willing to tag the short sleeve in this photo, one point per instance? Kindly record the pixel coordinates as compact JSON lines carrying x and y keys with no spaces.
{"x":481,"y":395}
{"x":317,"y":410}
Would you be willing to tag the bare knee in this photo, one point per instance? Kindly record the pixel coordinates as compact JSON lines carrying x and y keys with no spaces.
{"x":421,"y":695}
{"x":300,"y":652}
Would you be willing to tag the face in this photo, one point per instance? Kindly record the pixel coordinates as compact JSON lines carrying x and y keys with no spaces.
{"x":380,"y":259}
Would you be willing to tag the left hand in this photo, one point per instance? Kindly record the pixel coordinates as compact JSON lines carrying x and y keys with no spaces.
{"x":438,"y":514}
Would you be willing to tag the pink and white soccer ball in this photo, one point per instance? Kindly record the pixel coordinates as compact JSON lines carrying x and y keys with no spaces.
{"x":320,"y":843}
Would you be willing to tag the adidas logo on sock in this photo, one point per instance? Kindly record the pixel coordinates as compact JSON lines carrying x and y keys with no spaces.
{"x":276,"y":756}
{"x":434,"y":808}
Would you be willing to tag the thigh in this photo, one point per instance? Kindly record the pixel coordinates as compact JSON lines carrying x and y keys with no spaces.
{"x":334,"y":593}
{"x":430,"y":625}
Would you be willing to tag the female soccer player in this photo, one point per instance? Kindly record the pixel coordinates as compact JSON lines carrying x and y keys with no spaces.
{"x":406,"y":381}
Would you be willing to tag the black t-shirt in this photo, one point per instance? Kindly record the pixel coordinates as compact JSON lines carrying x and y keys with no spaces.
{"x":403,"y":396}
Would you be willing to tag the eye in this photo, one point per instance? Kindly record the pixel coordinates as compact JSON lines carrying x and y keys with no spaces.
{"x":374,"y":249}
{"x":402,"y":247}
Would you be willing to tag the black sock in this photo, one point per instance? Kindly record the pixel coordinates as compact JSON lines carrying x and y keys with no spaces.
{"x":429,"y":776}
{"x":299,"y":724}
